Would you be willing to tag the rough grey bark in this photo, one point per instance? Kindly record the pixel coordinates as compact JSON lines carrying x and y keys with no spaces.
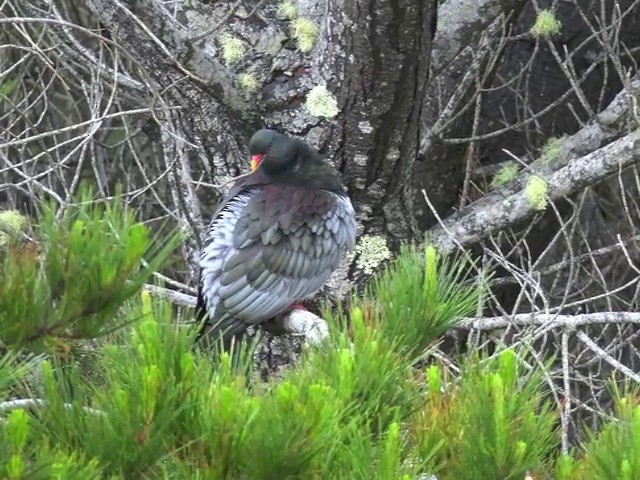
{"x":374,"y":56}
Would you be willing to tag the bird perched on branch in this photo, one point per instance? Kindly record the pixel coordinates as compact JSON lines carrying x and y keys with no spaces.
{"x":275,"y":239}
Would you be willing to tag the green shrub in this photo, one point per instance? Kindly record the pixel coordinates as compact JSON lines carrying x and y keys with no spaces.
{"x":69,"y":283}
{"x":365,"y":404}
{"x":492,"y":423}
{"x":419,"y":296}
{"x":614,"y":452}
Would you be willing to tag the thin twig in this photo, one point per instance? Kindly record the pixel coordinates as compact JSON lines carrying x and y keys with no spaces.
{"x":32,"y":403}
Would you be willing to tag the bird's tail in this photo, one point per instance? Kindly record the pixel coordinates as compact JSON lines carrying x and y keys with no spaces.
{"x":224,"y":329}
{"x":222,"y":335}
{"x":226,"y":332}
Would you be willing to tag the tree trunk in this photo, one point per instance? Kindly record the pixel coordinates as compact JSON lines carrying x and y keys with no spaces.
{"x":374,"y":56}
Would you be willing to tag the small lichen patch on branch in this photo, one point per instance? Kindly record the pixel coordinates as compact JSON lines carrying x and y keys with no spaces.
{"x":546,"y":25}
{"x":12,"y":220}
{"x":248,"y":82}
{"x":288,"y":9}
{"x":305,"y":33}
{"x":551,"y":150}
{"x":505,"y":175}
{"x":536,"y":192}
{"x":372,"y":251}
{"x":321,"y":103}
{"x":233,"y":49}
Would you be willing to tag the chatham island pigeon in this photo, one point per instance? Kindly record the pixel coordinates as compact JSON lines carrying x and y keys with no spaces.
{"x":275,"y":239}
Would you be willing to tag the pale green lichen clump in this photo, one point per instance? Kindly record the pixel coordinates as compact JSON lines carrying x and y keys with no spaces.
{"x":288,"y":9}
{"x":13,"y":220}
{"x":233,"y":49}
{"x":248,"y":82}
{"x":551,"y":150}
{"x":321,"y":103}
{"x":305,"y":33}
{"x":536,"y":192}
{"x":373,"y":251}
{"x":546,"y":25}
{"x":505,"y":175}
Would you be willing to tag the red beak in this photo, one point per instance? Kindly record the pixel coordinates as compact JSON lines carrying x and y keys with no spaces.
{"x":255,"y":161}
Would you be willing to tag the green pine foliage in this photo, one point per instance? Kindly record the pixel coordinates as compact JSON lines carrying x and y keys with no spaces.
{"x":368,"y":403}
{"x":614,"y":452}
{"x":517,"y":426}
{"x":71,"y":280}
{"x":13,"y":369}
{"x":490,"y":424}
{"x":420,"y":295}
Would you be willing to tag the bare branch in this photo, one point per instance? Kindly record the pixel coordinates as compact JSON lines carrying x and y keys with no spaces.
{"x":295,"y":322}
{"x":619,"y":366}
{"x":177,"y":298}
{"x":496,"y":211}
{"x":461,"y":22}
{"x":550,"y":321}
{"x":167,"y":38}
{"x":32,"y":403}
{"x":302,"y":323}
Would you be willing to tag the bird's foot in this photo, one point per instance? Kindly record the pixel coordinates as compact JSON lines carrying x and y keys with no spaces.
{"x":274,"y":325}
{"x":297,"y":306}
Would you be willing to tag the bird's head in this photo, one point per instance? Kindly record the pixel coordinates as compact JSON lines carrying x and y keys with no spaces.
{"x":274,"y":148}
{"x":282,"y":159}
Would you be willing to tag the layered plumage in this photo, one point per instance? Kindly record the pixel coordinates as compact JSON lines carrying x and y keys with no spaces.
{"x":276,"y":238}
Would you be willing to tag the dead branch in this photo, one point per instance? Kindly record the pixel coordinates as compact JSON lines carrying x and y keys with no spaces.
{"x":549,"y":321}
{"x":460,"y":24}
{"x":295,"y":322}
{"x":33,"y":403}
{"x":497,"y":211}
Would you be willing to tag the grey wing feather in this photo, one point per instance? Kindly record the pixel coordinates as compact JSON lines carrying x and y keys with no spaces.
{"x":252,"y":269}
{"x":219,"y":241}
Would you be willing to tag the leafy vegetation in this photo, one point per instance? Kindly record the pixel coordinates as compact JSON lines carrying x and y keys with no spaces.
{"x":369,"y":403}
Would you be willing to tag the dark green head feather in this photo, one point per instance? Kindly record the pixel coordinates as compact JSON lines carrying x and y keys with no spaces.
{"x":292,"y":161}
